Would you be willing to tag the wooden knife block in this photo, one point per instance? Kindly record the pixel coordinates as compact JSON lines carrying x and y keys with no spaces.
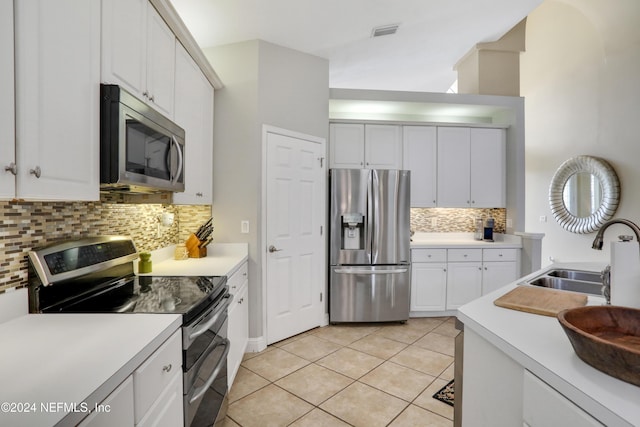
{"x":193,"y":247}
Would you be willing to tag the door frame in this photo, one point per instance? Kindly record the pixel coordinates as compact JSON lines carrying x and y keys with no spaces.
{"x":267,"y":129}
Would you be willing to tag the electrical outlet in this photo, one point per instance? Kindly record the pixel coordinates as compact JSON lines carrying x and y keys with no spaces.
{"x":543,"y":218}
{"x":244,"y":227}
{"x":434,"y":222}
{"x":509,"y":223}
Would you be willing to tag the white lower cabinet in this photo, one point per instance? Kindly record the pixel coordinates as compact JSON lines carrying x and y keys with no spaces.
{"x":521,"y":398}
{"x":499,"y":267}
{"x":543,"y":406}
{"x":445,"y":279}
{"x":115,"y":410}
{"x":464,"y":276}
{"x":238,"y":328}
{"x":151,"y":396}
{"x":428,"y":279}
{"x":155,"y":376}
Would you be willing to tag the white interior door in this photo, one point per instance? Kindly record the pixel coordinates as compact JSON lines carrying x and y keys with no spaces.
{"x":294,"y":250}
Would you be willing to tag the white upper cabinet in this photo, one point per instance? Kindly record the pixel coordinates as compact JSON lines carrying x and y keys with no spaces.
{"x":420,"y":157}
{"x":57,"y":75}
{"x":355,"y":146}
{"x":194,"y":113}
{"x":7,"y":117}
{"x":346,"y":145}
{"x":471,"y":167}
{"x":383,"y":146}
{"x":138,"y":52}
{"x":488,"y":168}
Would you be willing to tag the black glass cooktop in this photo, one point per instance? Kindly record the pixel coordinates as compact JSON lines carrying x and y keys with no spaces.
{"x":186,"y":295}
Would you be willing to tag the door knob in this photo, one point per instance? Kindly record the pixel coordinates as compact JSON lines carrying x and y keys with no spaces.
{"x":273,"y":249}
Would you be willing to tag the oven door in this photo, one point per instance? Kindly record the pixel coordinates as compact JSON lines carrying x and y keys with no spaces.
{"x":205,"y":399}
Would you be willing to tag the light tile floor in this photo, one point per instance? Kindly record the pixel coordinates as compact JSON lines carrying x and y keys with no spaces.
{"x":349,"y":375}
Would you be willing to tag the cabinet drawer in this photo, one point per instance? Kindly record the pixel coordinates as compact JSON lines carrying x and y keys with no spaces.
{"x":428,"y":255}
{"x":500,"y":254}
{"x":236,"y":280}
{"x":156,"y":373}
{"x":462,"y":255}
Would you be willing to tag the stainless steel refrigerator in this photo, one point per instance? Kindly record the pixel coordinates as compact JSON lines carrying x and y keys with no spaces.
{"x":369,"y":259}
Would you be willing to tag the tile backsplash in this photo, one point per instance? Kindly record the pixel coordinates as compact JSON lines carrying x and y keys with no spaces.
{"x":449,"y":220}
{"x":26,"y":225}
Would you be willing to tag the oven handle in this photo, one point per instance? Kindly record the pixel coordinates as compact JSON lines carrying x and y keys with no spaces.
{"x":197,"y":394}
{"x":211,"y":321}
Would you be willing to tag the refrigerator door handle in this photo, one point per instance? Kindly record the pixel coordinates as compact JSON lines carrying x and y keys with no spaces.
{"x":369,"y":271}
{"x":374,"y":200}
{"x":369,"y":239}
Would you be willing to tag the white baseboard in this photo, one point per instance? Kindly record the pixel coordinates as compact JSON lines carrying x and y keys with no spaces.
{"x":256,"y":345}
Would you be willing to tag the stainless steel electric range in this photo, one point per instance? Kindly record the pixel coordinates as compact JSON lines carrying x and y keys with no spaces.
{"x":95,"y":275}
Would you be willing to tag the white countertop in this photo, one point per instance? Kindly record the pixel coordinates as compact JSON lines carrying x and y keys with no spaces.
{"x":222,"y":260}
{"x":50,"y":360}
{"x":463,"y":240}
{"x":540,"y":345}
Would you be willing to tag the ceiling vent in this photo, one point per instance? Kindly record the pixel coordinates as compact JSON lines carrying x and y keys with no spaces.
{"x":385,"y":30}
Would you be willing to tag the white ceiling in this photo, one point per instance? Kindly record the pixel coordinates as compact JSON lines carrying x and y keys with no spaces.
{"x":433,"y":34}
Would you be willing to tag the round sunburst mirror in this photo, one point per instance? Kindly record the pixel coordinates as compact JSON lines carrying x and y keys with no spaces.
{"x":584,"y":194}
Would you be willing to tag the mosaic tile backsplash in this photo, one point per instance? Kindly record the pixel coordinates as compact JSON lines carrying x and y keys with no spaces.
{"x":449,"y":220}
{"x":26,"y":225}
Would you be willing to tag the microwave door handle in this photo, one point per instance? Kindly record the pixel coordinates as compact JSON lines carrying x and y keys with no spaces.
{"x":180,"y":160}
{"x":197,"y":394}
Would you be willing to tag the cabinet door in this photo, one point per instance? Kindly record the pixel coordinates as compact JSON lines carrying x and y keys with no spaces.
{"x":194,"y":113}
{"x":160,"y":66}
{"x":543,"y":406}
{"x":346,"y":145}
{"x":7,"y":121}
{"x":115,"y":410}
{"x":168,"y":410}
{"x":464,"y":283}
{"x":124,"y":36}
{"x":238,"y":332}
{"x":383,"y":147}
{"x":454,"y":174}
{"x":419,"y":151}
{"x":156,"y":375}
{"x":497,"y":274}
{"x":57,"y":92}
{"x":488,"y":166}
{"x":428,"y":286}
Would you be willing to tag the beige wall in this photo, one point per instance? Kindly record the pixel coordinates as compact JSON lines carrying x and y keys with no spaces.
{"x":264,"y":84}
{"x":580,"y":76}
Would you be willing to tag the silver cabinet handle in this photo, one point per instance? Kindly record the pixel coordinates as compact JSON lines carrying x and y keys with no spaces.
{"x":11,"y":168}
{"x":167,"y":368}
{"x":274,"y":249}
{"x":37,"y":171}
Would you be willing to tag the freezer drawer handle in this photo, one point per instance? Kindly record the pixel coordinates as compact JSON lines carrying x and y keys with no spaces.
{"x":362,"y":271}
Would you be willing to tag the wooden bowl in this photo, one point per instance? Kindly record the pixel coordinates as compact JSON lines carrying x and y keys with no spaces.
{"x":607,"y":338}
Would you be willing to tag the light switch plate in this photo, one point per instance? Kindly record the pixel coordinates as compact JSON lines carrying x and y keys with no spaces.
{"x":244,"y":227}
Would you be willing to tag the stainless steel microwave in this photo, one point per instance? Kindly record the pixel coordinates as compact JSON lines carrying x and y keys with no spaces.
{"x":140,"y":149}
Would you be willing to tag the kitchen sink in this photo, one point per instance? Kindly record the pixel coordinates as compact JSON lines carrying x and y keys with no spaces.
{"x":588,"y":276}
{"x":586,"y":282}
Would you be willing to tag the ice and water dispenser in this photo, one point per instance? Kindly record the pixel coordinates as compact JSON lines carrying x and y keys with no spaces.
{"x":352,"y":231}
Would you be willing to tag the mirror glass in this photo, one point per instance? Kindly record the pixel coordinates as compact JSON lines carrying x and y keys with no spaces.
{"x":582,"y":194}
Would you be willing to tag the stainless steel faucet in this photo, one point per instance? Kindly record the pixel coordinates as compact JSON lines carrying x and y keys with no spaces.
{"x":599,"y":241}
{"x":597,"y":244}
